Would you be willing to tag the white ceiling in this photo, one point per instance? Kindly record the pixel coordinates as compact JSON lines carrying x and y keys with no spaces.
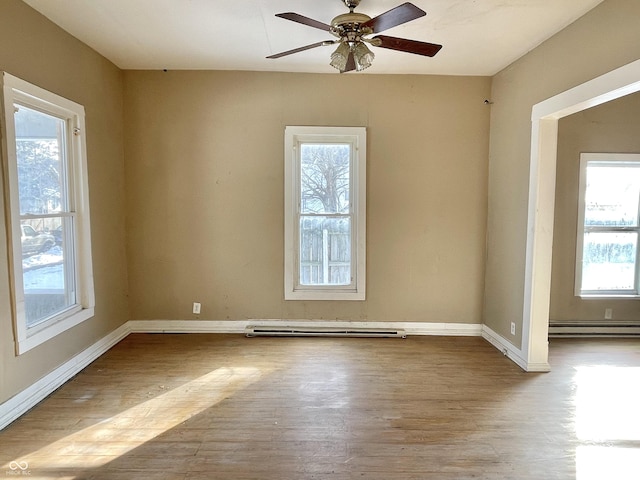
{"x":480,"y":37}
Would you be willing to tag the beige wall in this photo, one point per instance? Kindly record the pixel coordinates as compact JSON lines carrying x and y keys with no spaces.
{"x":37,"y":51}
{"x":613,"y":128}
{"x":602,"y":40}
{"x":204,"y":169}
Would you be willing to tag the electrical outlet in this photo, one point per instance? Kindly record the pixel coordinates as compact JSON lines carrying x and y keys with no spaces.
{"x":196,"y":308}
{"x":513,"y":328}
{"x":608,"y":313}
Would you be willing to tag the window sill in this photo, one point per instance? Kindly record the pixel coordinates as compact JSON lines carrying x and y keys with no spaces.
{"x":31,"y":341}
{"x":608,"y":296}
{"x":324,"y":295}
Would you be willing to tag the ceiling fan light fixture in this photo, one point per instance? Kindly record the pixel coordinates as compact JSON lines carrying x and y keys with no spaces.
{"x":362,"y":56}
{"x":340,"y":56}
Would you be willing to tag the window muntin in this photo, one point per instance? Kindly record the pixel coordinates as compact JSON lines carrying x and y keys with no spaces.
{"x":608,"y":225}
{"x":324,"y":213}
{"x":47,"y":212}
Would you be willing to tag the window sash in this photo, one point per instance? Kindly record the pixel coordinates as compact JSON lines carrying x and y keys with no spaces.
{"x":303,"y":213}
{"x":325,"y":264}
{"x":606,"y":269}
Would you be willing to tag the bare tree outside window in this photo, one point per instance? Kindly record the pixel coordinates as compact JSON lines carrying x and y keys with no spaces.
{"x":325,"y":178}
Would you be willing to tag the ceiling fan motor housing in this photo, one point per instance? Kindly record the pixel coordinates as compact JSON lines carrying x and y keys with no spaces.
{"x":349,"y":26}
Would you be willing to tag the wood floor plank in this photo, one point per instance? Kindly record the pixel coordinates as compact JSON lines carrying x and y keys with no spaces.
{"x":224,"y":406}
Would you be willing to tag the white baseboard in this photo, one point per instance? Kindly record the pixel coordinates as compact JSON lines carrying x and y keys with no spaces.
{"x":512,"y":352}
{"x":187,"y":326}
{"x":38,"y":391}
{"x":16,"y":406}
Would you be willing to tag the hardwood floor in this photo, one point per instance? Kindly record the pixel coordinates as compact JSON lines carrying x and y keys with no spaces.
{"x":204,"y":406}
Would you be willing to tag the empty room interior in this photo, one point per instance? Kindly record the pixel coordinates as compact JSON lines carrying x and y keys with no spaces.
{"x":257,"y":240}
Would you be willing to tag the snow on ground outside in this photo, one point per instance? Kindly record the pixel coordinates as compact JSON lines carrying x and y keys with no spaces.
{"x":44,"y":271}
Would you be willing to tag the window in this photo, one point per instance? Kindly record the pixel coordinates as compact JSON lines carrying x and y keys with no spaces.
{"x":47,"y":212}
{"x":325,"y":196}
{"x":608,"y":225}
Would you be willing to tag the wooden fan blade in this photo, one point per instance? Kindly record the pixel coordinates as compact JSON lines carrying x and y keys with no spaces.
{"x":295,"y":17}
{"x":301,"y":49}
{"x":396,"y":16}
{"x":351,"y":64}
{"x":409,"y":46}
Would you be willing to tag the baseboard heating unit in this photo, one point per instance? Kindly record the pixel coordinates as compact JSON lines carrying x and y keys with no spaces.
{"x":295,"y":331}
{"x":557,"y":330}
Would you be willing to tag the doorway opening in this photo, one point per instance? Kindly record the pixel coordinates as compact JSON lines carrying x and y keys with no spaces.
{"x":544,"y":138}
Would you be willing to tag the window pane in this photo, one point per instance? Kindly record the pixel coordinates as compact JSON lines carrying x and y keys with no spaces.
{"x":40,"y":153}
{"x":612,"y":195}
{"x":47,"y":272}
{"x":608,"y":261}
{"x":325,"y":251}
{"x":324,"y":178}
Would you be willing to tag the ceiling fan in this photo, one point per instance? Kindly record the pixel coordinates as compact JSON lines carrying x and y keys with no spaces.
{"x":352,"y":30}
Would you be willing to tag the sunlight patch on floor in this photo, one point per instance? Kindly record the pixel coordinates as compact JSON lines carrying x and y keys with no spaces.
{"x":600,"y":462}
{"x":607,"y":422}
{"x":96,"y":446}
{"x":607,"y":399}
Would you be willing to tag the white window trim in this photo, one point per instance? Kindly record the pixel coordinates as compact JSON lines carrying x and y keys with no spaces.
{"x":585,"y":158}
{"x":356,"y":291}
{"x":17,"y":90}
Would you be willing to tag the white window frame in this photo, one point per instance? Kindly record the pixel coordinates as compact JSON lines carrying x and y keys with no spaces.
{"x":294,"y":137}
{"x":17,"y":91}
{"x":611,"y":158}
